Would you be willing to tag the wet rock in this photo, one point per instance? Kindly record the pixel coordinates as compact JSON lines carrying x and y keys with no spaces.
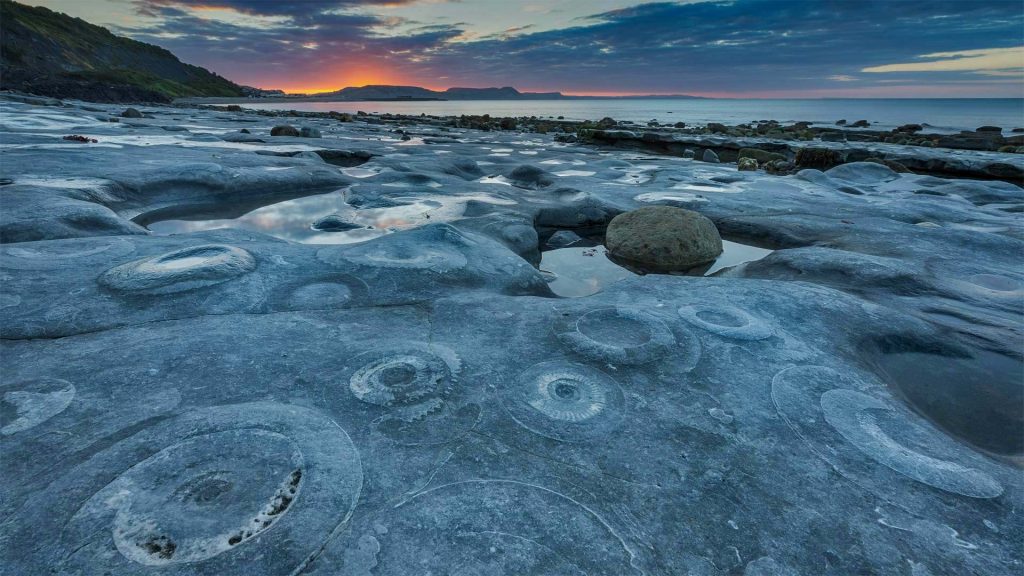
{"x":308,"y":132}
{"x":192,"y":399}
{"x":663,"y":238}
{"x":345,"y":158}
{"x":465,"y":168}
{"x":909,"y":128}
{"x":334,"y":223}
{"x":992,"y":129}
{"x":710,"y":156}
{"x":761,"y":156}
{"x":605,"y":123}
{"x":131,"y":113}
{"x":284,"y":130}
{"x":529,"y":176}
{"x":563,"y":239}
{"x":241,"y":137}
{"x":863,"y":172}
{"x":746,"y":164}
{"x":861,"y":124}
{"x":818,"y":158}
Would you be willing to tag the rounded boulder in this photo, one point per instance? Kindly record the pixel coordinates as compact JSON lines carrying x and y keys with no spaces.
{"x":284,"y":130}
{"x":663,"y":238}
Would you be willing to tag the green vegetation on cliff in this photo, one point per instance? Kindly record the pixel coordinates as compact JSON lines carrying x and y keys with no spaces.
{"x":52,"y":54}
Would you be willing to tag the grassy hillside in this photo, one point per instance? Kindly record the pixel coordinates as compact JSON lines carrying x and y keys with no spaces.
{"x":53,"y":54}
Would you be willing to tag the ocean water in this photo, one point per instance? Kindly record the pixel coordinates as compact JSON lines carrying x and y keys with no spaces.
{"x":943,"y":115}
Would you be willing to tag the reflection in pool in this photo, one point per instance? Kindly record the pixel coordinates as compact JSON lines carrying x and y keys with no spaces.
{"x":585,"y":268}
{"x":581,"y":271}
{"x":293,"y":219}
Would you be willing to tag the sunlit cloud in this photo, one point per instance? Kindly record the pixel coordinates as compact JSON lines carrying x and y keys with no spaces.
{"x":713,"y":47}
{"x":986,"y":61}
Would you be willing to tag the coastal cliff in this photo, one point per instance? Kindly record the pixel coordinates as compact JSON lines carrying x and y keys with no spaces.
{"x":52,"y":54}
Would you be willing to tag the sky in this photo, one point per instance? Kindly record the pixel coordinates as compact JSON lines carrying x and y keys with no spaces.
{"x":719,"y":48}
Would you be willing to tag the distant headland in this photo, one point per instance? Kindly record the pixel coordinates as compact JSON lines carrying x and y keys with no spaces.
{"x":385,"y":93}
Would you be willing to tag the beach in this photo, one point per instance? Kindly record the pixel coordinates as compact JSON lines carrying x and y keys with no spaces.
{"x":374,"y":341}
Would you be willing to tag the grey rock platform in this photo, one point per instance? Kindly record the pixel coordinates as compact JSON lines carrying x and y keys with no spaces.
{"x":228,"y":401}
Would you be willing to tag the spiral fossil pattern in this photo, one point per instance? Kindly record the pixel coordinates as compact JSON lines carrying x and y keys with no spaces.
{"x":403,"y":375}
{"x":871,"y":438}
{"x":212,"y":488}
{"x":565,"y":401}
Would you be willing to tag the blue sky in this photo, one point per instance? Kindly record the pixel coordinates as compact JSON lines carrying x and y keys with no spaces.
{"x":753,"y":48}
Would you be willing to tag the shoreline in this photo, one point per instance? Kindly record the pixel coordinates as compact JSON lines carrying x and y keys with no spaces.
{"x":777,"y":148}
{"x":335,"y":301}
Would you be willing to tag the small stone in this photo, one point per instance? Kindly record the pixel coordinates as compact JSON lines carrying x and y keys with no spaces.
{"x":284,"y":130}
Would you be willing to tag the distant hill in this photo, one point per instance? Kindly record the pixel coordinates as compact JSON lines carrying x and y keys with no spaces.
{"x":383,"y":92}
{"x":379,"y":92}
{"x":52,"y":54}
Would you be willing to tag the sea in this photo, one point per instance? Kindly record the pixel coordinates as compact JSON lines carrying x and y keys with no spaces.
{"x":940,"y":115}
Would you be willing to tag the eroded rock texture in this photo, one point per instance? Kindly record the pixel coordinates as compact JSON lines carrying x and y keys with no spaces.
{"x":227,"y":400}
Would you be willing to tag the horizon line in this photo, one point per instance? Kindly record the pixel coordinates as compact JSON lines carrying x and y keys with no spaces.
{"x":708,"y":96}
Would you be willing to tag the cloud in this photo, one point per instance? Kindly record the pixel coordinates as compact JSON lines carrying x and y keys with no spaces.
{"x":709,"y":47}
{"x":990,"y":61}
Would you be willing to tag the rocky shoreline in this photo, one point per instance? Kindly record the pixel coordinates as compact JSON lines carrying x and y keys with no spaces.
{"x":908,"y":148}
{"x":250,"y":342}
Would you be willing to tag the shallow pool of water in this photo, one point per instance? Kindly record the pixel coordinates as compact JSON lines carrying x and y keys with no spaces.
{"x":585,"y":268}
{"x":293,"y":219}
{"x":975,"y":395}
{"x":581,"y":271}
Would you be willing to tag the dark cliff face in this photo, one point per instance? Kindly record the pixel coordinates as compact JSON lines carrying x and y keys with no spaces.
{"x":52,"y":54}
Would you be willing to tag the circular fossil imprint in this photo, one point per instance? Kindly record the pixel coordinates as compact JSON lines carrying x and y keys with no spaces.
{"x":415,"y":382}
{"x":180,"y":270}
{"x":491,"y":527}
{"x":338,"y":291}
{"x":617,"y":335}
{"x":565,"y":401}
{"x":843,"y":419}
{"x":226,"y":486}
{"x":726,"y":320}
{"x":437,"y":258}
{"x":404,"y":375}
{"x":50,"y":254}
{"x":34,"y":402}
